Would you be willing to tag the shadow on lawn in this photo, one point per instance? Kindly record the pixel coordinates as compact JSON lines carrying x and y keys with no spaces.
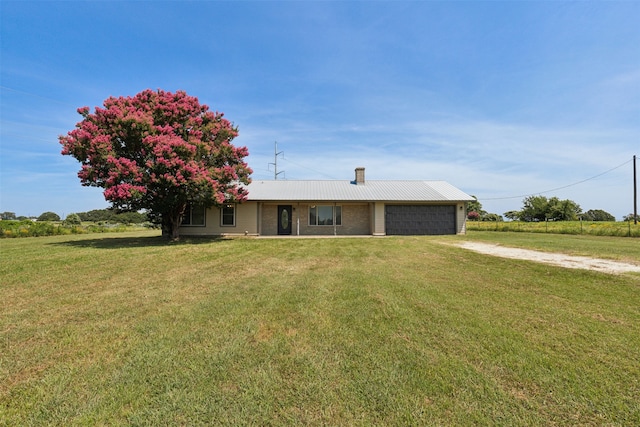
{"x":136,"y":242}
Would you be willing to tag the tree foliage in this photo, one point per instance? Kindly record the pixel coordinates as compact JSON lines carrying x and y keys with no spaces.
{"x":49,"y":216}
{"x":7,"y":215}
{"x":474,"y":210}
{"x":539,"y":208}
{"x":111,"y":215}
{"x":473,"y":216}
{"x":159,"y":151}
{"x":492,"y":217}
{"x":512,"y":215}
{"x":563,"y":210}
{"x":476,"y":213}
{"x":72,"y":219}
{"x":597,"y":215}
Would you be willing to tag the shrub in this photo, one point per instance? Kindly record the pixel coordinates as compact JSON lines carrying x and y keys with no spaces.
{"x":473,"y":216}
{"x":49,"y":216}
{"x":72,"y":219}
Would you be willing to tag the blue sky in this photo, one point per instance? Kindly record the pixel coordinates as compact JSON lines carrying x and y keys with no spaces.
{"x":501,"y":99}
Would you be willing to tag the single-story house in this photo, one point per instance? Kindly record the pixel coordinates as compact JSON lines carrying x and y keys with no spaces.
{"x":358,"y":207}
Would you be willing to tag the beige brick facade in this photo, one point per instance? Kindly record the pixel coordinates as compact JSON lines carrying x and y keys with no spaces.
{"x":356,"y":220}
{"x":254,"y":218}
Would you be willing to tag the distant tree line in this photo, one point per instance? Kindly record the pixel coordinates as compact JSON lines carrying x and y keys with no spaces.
{"x":541,"y":208}
{"x":96,"y":215}
{"x":111,"y":215}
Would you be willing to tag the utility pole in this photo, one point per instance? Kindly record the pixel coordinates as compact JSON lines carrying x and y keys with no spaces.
{"x":635,"y":193}
{"x":275,"y":160}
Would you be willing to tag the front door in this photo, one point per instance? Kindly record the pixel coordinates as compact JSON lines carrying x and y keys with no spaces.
{"x":284,"y":219}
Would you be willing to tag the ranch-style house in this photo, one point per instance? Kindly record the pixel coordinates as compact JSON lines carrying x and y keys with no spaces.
{"x":336,"y":208}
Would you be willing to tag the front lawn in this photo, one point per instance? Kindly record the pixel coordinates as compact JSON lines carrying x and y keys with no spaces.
{"x":128,"y":329}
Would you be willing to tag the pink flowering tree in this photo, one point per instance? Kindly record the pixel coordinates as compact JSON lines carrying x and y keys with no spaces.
{"x":473,"y":216}
{"x":159,"y":151}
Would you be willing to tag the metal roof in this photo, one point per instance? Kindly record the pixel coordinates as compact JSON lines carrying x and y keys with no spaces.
{"x":370,"y":191}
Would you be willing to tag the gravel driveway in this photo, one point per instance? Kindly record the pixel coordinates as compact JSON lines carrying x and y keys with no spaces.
{"x":562,"y":260}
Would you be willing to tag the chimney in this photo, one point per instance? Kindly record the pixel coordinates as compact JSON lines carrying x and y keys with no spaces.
{"x":359,"y":176}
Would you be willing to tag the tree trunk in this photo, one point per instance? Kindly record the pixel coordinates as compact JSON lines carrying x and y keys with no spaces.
{"x":166,"y":229}
{"x":171,"y":226}
{"x":175,"y":228}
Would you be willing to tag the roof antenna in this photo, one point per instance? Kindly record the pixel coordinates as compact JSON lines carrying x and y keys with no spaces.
{"x":275,"y":161}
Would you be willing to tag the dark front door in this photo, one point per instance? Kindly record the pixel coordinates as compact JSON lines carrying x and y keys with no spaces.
{"x":284,"y":219}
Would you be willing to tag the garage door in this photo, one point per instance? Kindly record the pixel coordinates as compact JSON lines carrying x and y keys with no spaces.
{"x":420,"y":219}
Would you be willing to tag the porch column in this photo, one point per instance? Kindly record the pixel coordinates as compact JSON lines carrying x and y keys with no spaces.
{"x":378,"y":219}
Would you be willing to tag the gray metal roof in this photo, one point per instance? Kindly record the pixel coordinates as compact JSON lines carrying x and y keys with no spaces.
{"x":370,"y":191}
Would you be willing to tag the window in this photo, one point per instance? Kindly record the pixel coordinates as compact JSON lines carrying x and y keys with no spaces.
{"x":228,"y":216}
{"x":325,"y":215}
{"x":194,"y":216}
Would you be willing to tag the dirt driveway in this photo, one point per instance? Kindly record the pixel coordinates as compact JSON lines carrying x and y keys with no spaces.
{"x":562,"y":260}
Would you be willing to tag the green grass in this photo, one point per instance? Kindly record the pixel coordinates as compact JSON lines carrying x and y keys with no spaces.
{"x":28,"y":228}
{"x":592,"y":228}
{"x":127,"y":329}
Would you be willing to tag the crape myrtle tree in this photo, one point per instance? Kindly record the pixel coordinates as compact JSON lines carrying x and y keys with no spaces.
{"x":474,"y":210}
{"x":159,"y":151}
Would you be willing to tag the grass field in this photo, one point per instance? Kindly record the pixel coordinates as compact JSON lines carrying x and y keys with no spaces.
{"x":593,"y":228}
{"x":128,"y":329}
{"x":28,"y":228}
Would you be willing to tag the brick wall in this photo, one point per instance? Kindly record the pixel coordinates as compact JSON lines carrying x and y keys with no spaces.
{"x":356,"y":220}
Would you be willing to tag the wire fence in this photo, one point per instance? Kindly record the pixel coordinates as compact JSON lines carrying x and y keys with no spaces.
{"x":593,"y":228}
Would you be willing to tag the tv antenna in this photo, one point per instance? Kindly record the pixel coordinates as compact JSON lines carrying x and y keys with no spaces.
{"x":275,"y":160}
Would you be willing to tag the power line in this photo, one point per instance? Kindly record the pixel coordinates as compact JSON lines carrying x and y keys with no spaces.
{"x":560,"y":188}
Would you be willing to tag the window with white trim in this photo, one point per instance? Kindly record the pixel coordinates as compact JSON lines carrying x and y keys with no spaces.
{"x":194,"y":216}
{"x":228,"y":215}
{"x":325,"y":215}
